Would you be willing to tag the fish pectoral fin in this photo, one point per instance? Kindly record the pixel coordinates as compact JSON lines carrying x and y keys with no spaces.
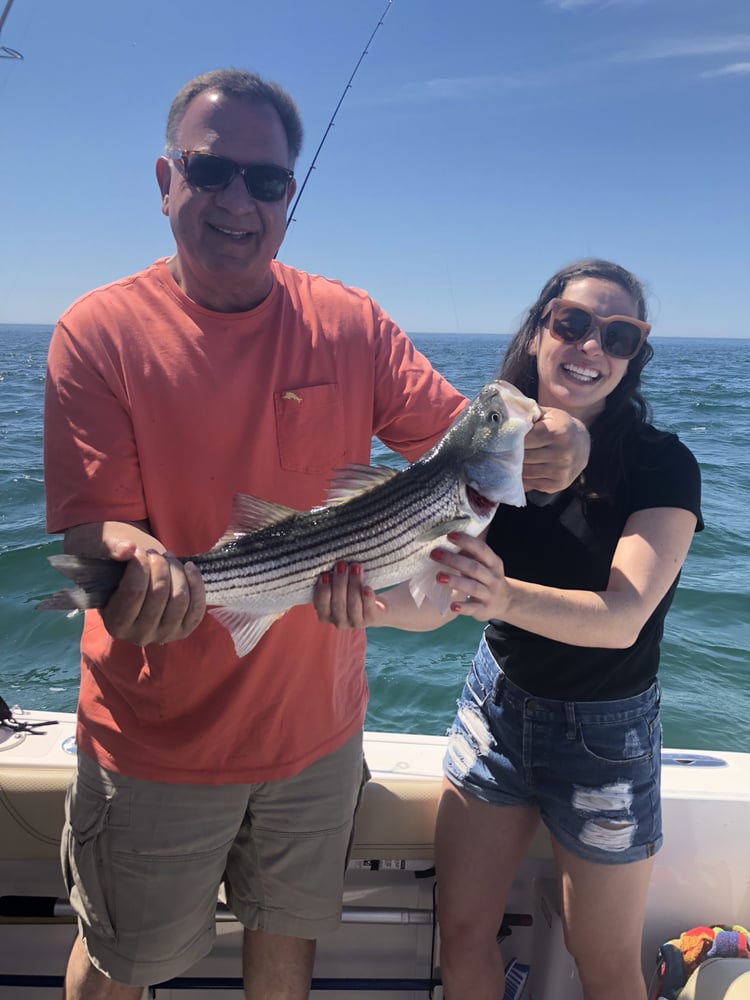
{"x":245,"y":628}
{"x":356,"y":479}
{"x":251,"y":514}
{"x":431,"y":534}
{"x":423,"y":586}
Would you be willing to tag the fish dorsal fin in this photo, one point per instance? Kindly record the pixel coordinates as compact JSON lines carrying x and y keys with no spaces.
{"x":356,"y":479}
{"x":251,"y":514}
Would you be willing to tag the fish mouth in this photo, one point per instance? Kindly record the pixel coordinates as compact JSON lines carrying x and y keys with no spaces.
{"x":481,"y":505}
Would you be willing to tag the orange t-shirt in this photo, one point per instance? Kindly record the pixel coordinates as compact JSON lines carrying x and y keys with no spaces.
{"x":159,"y":409}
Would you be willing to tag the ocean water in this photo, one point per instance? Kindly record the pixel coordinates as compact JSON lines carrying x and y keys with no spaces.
{"x":697,"y":388}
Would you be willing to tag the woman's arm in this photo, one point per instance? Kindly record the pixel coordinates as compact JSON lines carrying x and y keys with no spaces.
{"x":342,"y":598}
{"x":650,"y":553}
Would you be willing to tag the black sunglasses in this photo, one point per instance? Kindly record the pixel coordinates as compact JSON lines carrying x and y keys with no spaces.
{"x":621,"y":336}
{"x":264,"y":181}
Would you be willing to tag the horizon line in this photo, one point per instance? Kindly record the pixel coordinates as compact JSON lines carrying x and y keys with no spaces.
{"x":474,"y":333}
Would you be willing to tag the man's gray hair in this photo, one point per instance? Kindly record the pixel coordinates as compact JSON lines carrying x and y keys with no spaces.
{"x":244,"y":84}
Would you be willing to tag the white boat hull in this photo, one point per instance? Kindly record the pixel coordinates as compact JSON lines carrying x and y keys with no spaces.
{"x":701,"y":874}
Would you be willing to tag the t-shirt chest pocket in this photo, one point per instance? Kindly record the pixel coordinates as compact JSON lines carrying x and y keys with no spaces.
{"x":310,"y":428}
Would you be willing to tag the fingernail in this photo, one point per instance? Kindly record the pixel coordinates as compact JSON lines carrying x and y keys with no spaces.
{"x":455,"y":607}
{"x":442,"y":577}
{"x":355,"y":569}
{"x":437,"y":554}
{"x":325,"y":577}
{"x":368,"y":591}
{"x":452,"y":536}
{"x":341,"y":567}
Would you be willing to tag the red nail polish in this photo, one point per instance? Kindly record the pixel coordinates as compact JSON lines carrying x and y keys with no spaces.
{"x":341,"y":567}
{"x":455,"y":607}
{"x":452,"y":536}
{"x":356,"y":569}
{"x":325,"y":577}
{"x":436,"y":554}
{"x":442,"y":577}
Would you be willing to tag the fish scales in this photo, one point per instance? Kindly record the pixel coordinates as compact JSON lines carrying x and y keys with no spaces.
{"x":365,"y":529}
{"x":360,"y":522}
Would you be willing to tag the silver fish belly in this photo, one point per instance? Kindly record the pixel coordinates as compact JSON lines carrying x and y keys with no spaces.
{"x":270,"y":557}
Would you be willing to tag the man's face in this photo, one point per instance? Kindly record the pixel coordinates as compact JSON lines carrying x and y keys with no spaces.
{"x":226,"y":239}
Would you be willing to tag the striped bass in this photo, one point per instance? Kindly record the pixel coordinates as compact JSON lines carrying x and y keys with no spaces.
{"x":387,"y":520}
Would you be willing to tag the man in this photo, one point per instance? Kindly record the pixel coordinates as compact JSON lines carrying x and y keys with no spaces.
{"x":216,"y":371}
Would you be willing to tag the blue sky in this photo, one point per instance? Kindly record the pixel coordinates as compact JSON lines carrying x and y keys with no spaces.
{"x":482,"y":146}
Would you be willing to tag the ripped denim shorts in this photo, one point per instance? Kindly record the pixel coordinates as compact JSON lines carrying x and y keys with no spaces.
{"x":592,"y":768}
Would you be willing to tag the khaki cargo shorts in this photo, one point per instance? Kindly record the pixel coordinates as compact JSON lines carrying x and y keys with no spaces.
{"x":143,"y":860}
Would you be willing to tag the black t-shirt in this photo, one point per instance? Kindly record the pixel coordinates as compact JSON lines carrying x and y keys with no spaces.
{"x":562,"y":541}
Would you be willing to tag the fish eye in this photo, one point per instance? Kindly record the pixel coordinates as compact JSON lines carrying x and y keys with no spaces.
{"x":494,"y":416}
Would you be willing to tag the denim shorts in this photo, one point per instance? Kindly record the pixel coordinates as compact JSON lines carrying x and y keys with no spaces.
{"x":592,"y":768}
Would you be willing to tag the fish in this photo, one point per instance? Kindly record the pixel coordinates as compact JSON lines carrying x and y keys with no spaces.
{"x":387,"y":520}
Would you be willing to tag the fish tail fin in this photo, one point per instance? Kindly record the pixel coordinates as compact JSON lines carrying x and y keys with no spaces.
{"x":95,"y":581}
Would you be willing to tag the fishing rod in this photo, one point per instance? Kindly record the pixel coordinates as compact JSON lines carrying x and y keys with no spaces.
{"x":310,"y":169}
{"x":5,"y":51}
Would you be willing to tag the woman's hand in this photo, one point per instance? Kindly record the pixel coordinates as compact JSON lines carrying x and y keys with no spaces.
{"x":342,"y":598}
{"x":556,"y":451}
{"x":475,"y":575}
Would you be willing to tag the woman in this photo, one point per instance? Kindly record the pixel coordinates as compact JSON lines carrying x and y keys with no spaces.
{"x":559,"y":717}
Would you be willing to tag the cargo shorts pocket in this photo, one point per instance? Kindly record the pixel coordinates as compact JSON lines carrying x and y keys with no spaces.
{"x":84,"y":855}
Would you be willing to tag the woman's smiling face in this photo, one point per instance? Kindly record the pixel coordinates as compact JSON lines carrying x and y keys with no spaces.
{"x":578,"y":377}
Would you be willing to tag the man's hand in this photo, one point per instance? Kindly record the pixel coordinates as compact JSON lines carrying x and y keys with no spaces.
{"x":556,"y":451}
{"x":158,"y":599}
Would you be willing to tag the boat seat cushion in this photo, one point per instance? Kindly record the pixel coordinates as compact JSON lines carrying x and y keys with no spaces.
{"x":719,"y":979}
